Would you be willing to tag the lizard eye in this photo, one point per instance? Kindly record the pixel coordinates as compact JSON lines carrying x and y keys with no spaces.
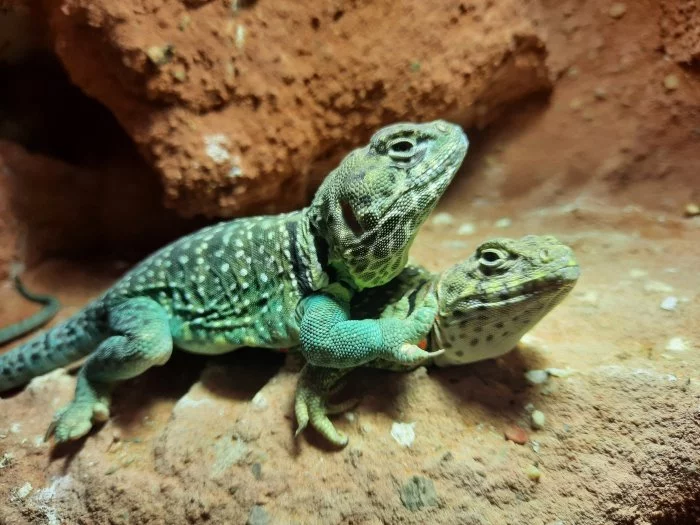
{"x":402,"y":149}
{"x":491,"y":258}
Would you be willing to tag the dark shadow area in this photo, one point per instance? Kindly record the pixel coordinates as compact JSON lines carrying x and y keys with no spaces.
{"x":238,"y":375}
{"x":77,"y":183}
{"x":483,"y":383}
{"x":686,"y":513}
{"x":44,"y":112}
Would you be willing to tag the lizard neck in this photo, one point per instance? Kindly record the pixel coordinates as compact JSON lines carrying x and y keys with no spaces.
{"x":310,"y":253}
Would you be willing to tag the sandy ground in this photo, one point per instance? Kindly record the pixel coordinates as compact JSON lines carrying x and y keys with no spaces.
{"x":211,"y":441}
{"x":608,"y":163}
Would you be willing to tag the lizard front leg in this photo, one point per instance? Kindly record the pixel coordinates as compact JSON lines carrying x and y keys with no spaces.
{"x":141,"y":339}
{"x":329,"y":338}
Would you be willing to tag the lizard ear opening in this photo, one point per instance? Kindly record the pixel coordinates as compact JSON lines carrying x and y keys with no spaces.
{"x":351,"y":219}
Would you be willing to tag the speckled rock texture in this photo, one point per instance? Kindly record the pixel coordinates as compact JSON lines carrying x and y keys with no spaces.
{"x":240,"y":106}
{"x":607,"y":161}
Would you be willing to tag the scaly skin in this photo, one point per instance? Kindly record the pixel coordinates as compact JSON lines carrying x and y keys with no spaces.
{"x":240,"y":283}
{"x":486,"y":304}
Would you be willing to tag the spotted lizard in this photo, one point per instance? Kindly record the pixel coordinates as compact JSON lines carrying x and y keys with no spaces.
{"x":253,"y":281}
{"x":486,"y":303}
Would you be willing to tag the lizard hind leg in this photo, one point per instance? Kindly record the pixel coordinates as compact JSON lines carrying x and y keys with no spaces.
{"x":140,"y":339}
{"x":311,"y":406}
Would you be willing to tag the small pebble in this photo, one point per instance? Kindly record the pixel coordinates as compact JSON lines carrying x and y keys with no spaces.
{"x":418,"y":492}
{"x":590,"y":297}
{"x":516,"y":434}
{"x":24,"y":491}
{"x":669,"y":304}
{"x":677,"y":344}
{"x":442,"y":219}
{"x":536,"y":377}
{"x":259,"y":401}
{"x":258,"y":516}
{"x":636,"y":273}
{"x":671,"y":82}
{"x":403,"y":433}
{"x":503,"y":222}
{"x":538,"y":420}
{"x":576,"y":104}
{"x":617,"y":10}
{"x":657,"y":286}
{"x":533,"y":473}
{"x":600,"y":93}
{"x":692,"y":209}
{"x":560,"y":372}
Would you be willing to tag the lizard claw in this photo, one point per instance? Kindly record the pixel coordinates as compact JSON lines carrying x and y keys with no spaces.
{"x":414,"y":355}
{"x":76,"y":419}
{"x":312,"y":408}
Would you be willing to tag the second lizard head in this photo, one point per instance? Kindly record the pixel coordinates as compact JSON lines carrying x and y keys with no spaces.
{"x":371,"y":206}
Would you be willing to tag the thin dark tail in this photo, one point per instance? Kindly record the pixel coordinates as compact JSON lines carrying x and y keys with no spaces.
{"x":51,"y":307}
{"x":54,"y":348}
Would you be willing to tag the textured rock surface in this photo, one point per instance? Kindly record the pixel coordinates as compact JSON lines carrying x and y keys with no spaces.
{"x":608,"y":163}
{"x":211,"y":441}
{"x":234,"y":106}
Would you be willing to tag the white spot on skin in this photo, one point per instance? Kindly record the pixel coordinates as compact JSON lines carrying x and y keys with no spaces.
{"x":263,"y":277}
{"x":403,"y":433}
{"x":243,"y":272}
{"x":225,"y":267}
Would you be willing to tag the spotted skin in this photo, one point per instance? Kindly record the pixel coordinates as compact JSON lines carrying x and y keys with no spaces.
{"x":244,"y":282}
{"x":485,"y":305}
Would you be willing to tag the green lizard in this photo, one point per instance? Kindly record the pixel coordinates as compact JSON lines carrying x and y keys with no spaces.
{"x":240,"y":283}
{"x":486,"y":304}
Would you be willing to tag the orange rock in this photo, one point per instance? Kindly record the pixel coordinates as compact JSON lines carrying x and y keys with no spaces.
{"x":516,"y":434}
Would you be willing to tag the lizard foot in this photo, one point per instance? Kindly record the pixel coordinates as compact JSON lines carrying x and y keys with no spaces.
{"x":76,"y":419}
{"x":312,"y":407}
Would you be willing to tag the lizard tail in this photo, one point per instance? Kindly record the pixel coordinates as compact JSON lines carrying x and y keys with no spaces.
{"x":51,"y":307}
{"x":54,"y":348}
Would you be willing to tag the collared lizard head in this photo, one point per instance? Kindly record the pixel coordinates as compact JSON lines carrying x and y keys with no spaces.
{"x":489,"y":301}
{"x":369,"y":209}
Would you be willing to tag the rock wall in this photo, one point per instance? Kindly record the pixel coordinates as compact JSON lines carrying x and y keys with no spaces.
{"x":233,"y":104}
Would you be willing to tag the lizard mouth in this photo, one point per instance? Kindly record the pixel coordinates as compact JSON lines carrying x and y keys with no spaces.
{"x":550,"y":290}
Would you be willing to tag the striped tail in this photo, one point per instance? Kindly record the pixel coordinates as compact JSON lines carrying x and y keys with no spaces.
{"x":54,"y":348}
